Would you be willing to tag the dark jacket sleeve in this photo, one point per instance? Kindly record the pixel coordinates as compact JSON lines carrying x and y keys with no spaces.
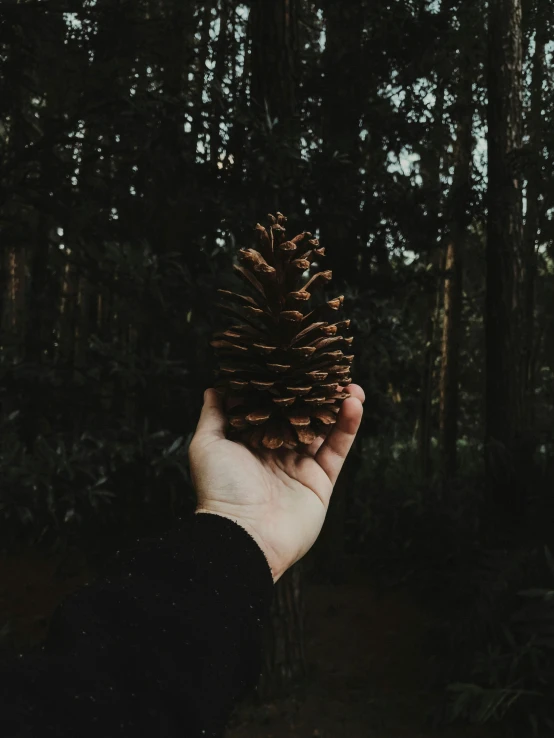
{"x":163,"y":644}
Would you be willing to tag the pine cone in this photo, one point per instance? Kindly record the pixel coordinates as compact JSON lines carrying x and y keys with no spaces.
{"x":282,"y":363}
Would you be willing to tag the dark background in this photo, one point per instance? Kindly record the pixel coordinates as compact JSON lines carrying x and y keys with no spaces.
{"x":140,"y":142}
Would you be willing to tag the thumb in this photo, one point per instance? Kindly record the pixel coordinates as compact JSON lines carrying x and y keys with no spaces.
{"x":212,"y":421}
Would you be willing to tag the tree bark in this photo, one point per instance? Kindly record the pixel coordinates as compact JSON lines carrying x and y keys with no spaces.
{"x":425,"y":424}
{"x":328,"y":556}
{"x":273,"y":28}
{"x":284,"y":660}
{"x":431,"y":156}
{"x":220,"y":61}
{"x":342,"y":110}
{"x":453,"y":288}
{"x":504,"y":258}
{"x":451,"y":339}
{"x":68,"y":308}
{"x":200,"y":76}
{"x":534,"y":190}
{"x":44,"y":278}
{"x":273,"y":100}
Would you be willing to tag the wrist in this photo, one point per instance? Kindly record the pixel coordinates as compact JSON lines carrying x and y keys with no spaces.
{"x":251,"y":532}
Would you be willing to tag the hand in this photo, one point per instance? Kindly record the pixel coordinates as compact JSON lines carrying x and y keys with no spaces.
{"x":280,"y":497}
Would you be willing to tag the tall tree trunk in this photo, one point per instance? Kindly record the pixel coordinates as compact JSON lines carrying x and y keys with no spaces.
{"x":85,"y":324}
{"x":15,"y":138}
{"x":284,"y":660}
{"x":451,"y":339}
{"x":504,"y":258}
{"x":43,"y":296}
{"x":274,"y":32}
{"x":328,"y":556}
{"x":176,"y":176}
{"x":341,"y":223}
{"x":431,"y":157}
{"x":217,"y":99}
{"x":199,"y":71}
{"x":240,"y":43}
{"x":68,"y":309}
{"x":273,"y":99}
{"x":342,"y":111}
{"x":534,"y":190}
{"x":425,"y":424}
{"x":453,"y":290}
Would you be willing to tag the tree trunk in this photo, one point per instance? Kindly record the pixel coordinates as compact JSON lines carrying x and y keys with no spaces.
{"x":45,"y":279}
{"x":340,"y":220}
{"x":200,"y":76}
{"x":273,"y":99}
{"x":238,"y":134}
{"x":176,"y":173}
{"x":342,"y":110}
{"x":284,"y":660}
{"x":274,"y":32}
{"x":327,"y":559}
{"x":431,"y":156}
{"x":534,"y":191}
{"x":451,"y":338}
{"x":504,"y":258}
{"x":68,"y":308}
{"x":425,"y":423}
{"x":220,"y":61}
{"x":453,"y":291}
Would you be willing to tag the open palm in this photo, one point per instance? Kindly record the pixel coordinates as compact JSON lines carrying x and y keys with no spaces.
{"x":280,"y":497}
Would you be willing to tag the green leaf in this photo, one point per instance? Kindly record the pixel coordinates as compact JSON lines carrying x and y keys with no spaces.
{"x":174,"y":446}
{"x":547,"y":594}
{"x":549,"y":559}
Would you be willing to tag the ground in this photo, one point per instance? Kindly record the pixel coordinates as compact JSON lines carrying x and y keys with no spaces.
{"x":369,"y":677}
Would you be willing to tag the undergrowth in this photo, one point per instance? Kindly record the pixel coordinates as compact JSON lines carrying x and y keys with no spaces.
{"x":491,"y":599}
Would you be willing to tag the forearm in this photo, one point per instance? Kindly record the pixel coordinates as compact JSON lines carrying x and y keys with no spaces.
{"x":164,"y":644}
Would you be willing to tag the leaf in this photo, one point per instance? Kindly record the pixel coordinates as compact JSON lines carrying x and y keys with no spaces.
{"x":174,"y":446}
{"x":103,"y":493}
{"x":549,"y":559}
{"x":547,"y":594}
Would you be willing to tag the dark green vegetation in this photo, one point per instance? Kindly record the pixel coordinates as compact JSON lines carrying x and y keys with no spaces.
{"x":140,"y":140}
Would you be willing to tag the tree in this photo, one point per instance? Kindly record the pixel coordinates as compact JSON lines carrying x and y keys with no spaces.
{"x":534,"y":192}
{"x":431,"y":155}
{"x":273,"y":99}
{"x":458,"y":219}
{"x":341,"y":110}
{"x":504,"y":256}
{"x":274,"y":64}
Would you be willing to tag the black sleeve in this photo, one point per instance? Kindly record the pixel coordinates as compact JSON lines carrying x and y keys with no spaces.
{"x":161,"y":645}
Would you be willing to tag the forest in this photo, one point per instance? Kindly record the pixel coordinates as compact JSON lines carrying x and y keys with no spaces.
{"x":140,"y":143}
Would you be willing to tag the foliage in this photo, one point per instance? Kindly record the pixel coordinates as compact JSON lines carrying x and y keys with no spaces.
{"x":512,"y":674}
{"x":491,"y":641}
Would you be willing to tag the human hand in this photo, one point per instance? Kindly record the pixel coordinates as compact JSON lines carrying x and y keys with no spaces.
{"x":280,"y":497}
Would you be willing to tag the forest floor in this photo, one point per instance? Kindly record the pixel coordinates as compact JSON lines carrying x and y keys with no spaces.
{"x":368,"y":673}
{"x":365,"y":650}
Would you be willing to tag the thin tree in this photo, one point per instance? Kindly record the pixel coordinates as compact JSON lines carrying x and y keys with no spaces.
{"x":458,"y":220}
{"x":504,"y":255}
{"x":534,"y":194}
{"x":274,"y":32}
